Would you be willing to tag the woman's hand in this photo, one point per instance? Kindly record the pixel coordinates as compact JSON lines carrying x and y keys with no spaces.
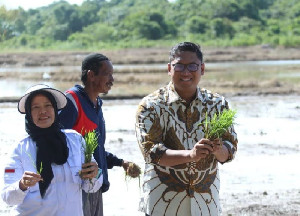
{"x":89,"y":170}
{"x":29,"y":179}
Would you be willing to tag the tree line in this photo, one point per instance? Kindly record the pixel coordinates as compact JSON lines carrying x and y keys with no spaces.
{"x":148,"y":23}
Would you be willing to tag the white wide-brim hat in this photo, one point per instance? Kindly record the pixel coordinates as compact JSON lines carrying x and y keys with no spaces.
{"x":60,"y":97}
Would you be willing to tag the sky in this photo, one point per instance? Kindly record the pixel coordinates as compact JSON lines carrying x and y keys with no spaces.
{"x":27,"y":4}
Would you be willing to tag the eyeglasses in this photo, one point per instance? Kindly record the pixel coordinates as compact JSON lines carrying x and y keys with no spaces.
{"x":181,"y":67}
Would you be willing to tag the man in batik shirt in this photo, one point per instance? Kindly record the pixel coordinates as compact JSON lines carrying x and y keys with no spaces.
{"x":181,"y":166}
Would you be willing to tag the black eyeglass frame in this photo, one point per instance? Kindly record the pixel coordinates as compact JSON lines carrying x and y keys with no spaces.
{"x":186,"y":66}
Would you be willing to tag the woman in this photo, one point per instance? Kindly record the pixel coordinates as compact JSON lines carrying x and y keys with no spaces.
{"x":42,"y":176}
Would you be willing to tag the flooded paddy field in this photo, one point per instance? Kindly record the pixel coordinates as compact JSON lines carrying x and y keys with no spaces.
{"x":264,"y":177}
{"x":229,"y":78}
{"x":262,"y":180}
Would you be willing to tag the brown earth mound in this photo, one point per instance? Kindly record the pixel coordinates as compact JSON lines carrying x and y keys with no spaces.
{"x":147,"y":56}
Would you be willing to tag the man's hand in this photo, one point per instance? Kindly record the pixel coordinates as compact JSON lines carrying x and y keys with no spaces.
{"x":216,"y":145}
{"x":201,"y":149}
{"x":125,"y":165}
{"x":219,"y":150}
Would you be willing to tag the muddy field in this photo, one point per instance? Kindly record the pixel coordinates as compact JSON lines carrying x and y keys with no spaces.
{"x":148,"y":56}
{"x":140,"y":71}
{"x":262,"y":180}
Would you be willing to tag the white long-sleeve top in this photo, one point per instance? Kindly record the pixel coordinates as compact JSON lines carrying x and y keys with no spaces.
{"x":64,"y":194}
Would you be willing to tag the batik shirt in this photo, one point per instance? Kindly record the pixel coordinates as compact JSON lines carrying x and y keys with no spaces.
{"x":164,"y":121}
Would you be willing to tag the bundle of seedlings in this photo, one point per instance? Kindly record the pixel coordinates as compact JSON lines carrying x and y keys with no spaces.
{"x":219,"y":124}
{"x":91,"y":143}
{"x":133,"y":171}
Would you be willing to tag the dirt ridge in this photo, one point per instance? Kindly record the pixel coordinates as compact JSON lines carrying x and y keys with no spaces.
{"x":147,"y":55}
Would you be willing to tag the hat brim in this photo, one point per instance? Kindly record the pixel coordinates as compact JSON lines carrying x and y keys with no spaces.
{"x":59,"y":97}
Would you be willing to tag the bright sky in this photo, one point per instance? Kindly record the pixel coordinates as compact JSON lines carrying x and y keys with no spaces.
{"x":26,"y":4}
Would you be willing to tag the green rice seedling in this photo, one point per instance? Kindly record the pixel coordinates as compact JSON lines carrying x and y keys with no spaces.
{"x":41,"y":168}
{"x":218,"y":124}
{"x":33,"y":163}
{"x":91,"y":143}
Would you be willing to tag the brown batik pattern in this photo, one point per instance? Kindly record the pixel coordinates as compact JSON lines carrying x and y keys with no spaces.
{"x":163,"y":125}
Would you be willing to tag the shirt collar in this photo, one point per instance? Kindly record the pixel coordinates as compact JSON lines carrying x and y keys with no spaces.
{"x":173,"y":95}
{"x":81,"y":90}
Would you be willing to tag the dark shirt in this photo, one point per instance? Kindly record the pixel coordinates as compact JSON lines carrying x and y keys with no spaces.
{"x":82,"y":115}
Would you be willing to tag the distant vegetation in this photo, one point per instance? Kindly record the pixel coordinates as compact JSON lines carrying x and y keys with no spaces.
{"x":151,"y":23}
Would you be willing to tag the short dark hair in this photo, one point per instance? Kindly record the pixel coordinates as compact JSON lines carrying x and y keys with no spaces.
{"x":92,"y":62}
{"x":186,"y":46}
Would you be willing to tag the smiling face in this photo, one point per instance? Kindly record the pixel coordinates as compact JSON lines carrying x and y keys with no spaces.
{"x":103,"y":81}
{"x":185,"y":82}
{"x":42,"y":111}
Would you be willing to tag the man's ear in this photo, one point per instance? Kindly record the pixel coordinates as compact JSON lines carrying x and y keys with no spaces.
{"x":202,"y":68}
{"x":169,"y":68}
{"x":90,"y":74}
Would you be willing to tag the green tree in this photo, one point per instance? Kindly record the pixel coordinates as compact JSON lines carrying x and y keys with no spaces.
{"x":88,"y":11}
{"x":148,"y":25}
{"x":59,"y":21}
{"x":34,"y":23}
{"x":139,"y":22}
{"x":11,"y":22}
{"x":94,"y":33}
{"x":221,"y":28}
{"x":273,"y":26}
{"x":196,"y":25}
{"x":247,"y":25}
